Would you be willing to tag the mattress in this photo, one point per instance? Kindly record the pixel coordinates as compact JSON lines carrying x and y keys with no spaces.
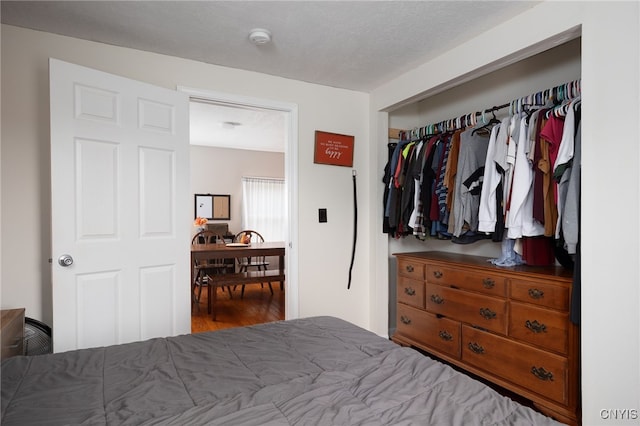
{"x":311,"y":371}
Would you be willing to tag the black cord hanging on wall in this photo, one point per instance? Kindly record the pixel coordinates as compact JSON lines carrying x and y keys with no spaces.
{"x":355,"y":227}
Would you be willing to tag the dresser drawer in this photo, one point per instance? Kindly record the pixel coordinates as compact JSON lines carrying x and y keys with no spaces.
{"x":440,"y":333}
{"x":542,"y":327}
{"x":410,"y":292}
{"x":487,"y":283}
{"x":541,"y":293}
{"x":536,"y":370}
{"x":411,"y":269}
{"x":486,"y":312}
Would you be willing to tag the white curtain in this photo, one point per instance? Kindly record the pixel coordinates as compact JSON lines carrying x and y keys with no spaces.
{"x":264,"y":207}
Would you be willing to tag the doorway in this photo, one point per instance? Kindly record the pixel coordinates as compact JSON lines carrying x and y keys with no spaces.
{"x":229,"y":142}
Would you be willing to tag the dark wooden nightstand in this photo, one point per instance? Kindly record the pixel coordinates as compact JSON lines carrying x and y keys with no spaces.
{"x":11,"y":332}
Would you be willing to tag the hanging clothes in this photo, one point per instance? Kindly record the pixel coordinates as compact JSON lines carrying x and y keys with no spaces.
{"x":487,"y":210}
{"x":540,"y":161}
{"x":407,"y":183}
{"x":427,"y":177}
{"x":468,"y":182}
{"x":571,"y":207}
{"x":439,"y":217}
{"x":491,"y":210}
{"x":564,"y":159}
{"x":520,"y":221}
{"x":392,"y":207}
{"x":551,"y":136}
{"x":449,"y":181}
{"x":514,"y":183}
{"x":386,"y":180}
{"x":416,"y":217}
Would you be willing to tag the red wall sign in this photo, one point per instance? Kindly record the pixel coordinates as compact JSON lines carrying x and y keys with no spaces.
{"x":333,"y":149}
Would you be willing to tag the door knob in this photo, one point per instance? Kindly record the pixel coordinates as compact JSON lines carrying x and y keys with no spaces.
{"x":65,"y":260}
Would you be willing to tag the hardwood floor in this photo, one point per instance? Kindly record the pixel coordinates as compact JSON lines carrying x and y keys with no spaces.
{"x":256,"y":307}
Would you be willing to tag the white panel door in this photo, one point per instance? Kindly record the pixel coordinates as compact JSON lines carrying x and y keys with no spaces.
{"x":120,"y":209}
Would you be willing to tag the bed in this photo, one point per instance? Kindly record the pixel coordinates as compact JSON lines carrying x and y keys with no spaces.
{"x":311,"y":371}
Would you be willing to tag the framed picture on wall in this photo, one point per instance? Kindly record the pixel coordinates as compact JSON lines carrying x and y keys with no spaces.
{"x":333,"y":149}
{"x":213,"y":206}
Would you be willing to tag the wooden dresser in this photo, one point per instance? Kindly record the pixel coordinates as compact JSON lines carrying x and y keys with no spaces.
{"x":11,"y":332}
{"x":508,"y":325}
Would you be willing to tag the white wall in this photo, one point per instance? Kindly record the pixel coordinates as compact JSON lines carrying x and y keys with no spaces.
{"x":220,"y":171}
{"x":323,"y":249}
{"x":609,"y":223}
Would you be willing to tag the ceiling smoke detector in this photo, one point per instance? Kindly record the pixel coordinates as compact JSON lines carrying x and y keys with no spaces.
{"x":260,"y":36}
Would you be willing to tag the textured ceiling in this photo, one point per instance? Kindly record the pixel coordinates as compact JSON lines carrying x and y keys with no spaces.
{"x":236,"y":127}
{"x":355,"y":45}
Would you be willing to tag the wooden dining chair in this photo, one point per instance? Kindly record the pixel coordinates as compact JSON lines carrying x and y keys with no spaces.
{"x":258,"y":262}
{"x":203,"y":269}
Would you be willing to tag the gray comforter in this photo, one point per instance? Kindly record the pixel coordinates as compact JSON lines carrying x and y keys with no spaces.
{"x":314,"y":371}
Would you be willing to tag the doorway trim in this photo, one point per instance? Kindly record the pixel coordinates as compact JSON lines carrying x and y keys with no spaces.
{"x":290,"y":176}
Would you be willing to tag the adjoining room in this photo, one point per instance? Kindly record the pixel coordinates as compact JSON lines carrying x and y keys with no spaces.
{"x":237,"y":181}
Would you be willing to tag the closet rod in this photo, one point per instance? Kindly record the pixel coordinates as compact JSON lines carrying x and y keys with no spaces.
{"x":556,"y":94}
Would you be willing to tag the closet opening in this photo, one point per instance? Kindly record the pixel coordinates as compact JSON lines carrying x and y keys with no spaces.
{"x":544,"y":70}
{"x":481,"y":206}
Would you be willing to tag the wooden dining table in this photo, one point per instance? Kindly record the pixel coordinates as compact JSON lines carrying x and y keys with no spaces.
{"x":235,"y":251}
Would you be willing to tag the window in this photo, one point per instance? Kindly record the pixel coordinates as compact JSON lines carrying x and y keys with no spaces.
{"x":264,"y":207}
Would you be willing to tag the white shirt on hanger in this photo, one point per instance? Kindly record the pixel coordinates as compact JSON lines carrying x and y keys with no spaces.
{"x":487,"y":216}
{"x":521,"y":222}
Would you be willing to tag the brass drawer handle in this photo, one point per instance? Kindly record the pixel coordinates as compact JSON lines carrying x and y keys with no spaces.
{"x":409,"y":268}
{"x":437,"y":299}
{"x":405,"y":320}
{"x":535,"y":326}
{"x":542,"y":374}
{"x":488,"y":283}
{"x":437,"y":274}
{"x":409,"y":291}
{"x":474,"y":347}
{"x":534,"y":293}
{"x":445,"y":336}
{"x":487,"y":313}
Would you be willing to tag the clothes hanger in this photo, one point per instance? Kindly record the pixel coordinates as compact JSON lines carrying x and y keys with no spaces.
{"x":485,"y":128}
{"x":559,"y":110}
